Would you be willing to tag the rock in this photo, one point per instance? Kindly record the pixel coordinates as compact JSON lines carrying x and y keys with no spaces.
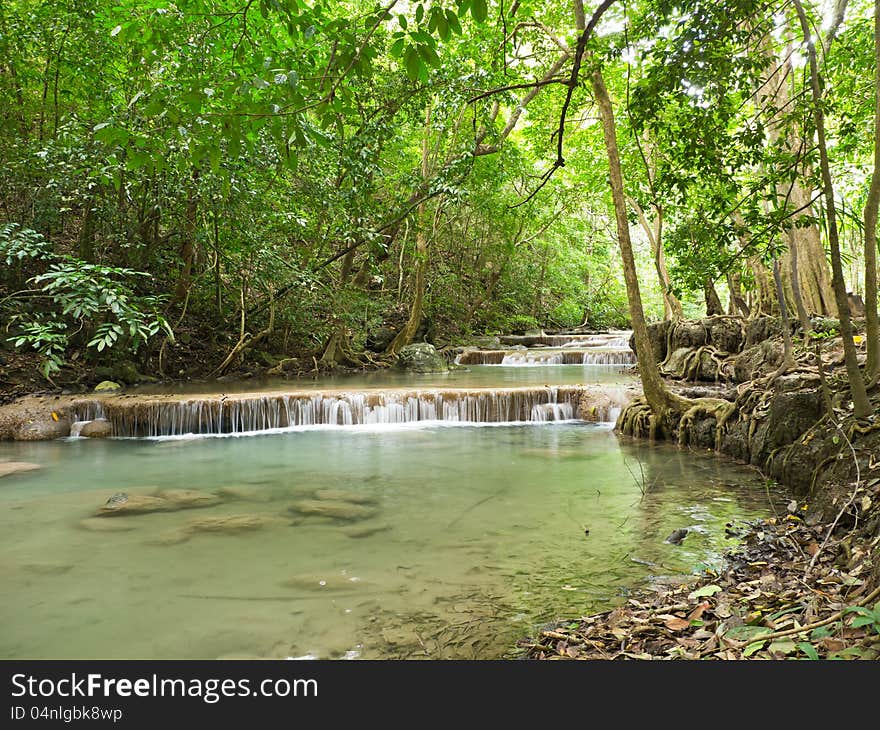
{"x":657,"y":333}
{"x":188,"y":498}
{"x":361,"y":531}
{"x":16,"y":467}
{"x":124,"y":371}
{"x":344,"y":495}
{"x":421,"y":358}
{"x":757,"y":360}
{"x":761,"y":328}
{"x":221,"y":525}
{"x":98,"y":429}
{"x":790,"y":415}
{"x":725,"y":333}
{"x":34,"y":423}
{"x":677,"y":536}
{"x":345,"y":511}
{"x":689,"y":333}
{"x":379,"y":339}
{"x":134,"y":505}
{"x":107,"y":386}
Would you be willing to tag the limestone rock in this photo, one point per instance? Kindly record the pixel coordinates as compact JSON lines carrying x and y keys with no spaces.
{"x":137,"y":504}
{"x":188,"y":498}
{"x":345,"y":511}
{"x":421,"y":358}
{"x":16,"y":467}
{"x":344,"y":495}
{"x":98,"y":429}
{"x":219,"y":525}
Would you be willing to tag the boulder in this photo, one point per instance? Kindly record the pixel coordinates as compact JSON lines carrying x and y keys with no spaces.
{"x":421,"y":358}
{"x":790,"y":415}
{"x":137,"y":504}
{"x":379,"y":339}
{"x":657,"y":333}
{"x":98,"y":429}
{"x":220,"y":525}
{"x":725,"y":333}
{"x":757,"y":360}
{"x":107,"y":386}
{"x":16,"y":467}
{"x":689,"y":333}
{"x":344,"y":511}
{"x":42,"y":427}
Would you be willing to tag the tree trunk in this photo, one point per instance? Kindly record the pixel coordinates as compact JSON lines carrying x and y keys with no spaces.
{"x":671,"y":306}
{"x":872,"y":327}
{"x":662,"y":402}
{"x":737,"y":303}
{"x":713,"y":301}
{"x":861,"y":404}
{"x":405,"y":336}
{"x":188,"y":242}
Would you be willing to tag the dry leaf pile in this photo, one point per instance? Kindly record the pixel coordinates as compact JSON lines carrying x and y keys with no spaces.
{"x":791,"y":588}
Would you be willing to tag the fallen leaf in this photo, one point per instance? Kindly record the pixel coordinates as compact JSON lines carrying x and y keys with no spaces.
{"x":698,"y":611}
{"x":709,"y":590}
{"x":676,"y":624}
{"x":812,"y":548}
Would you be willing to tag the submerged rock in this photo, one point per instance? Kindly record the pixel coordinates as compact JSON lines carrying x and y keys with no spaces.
{"x":137,"y":504}
{"x":220,"y":525}
{"x":169,"y":500}
{"x":16,"y":467}
{"x":677,"y":536}
{"x":189,"y":498}
{"x":345,"y":511}
{"x":421,"y":358}
{"x":344,"y":495}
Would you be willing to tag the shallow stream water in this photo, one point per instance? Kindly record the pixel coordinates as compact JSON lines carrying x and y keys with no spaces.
{"x":478,"y":537}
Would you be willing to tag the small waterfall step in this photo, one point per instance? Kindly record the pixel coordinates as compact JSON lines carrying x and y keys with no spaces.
{"x":178,"y":415}
{"x":585,"y":356}
{"x":605,"y":339}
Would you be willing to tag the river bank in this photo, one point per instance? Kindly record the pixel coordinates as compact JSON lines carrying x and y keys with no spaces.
{"x":801,"y":584}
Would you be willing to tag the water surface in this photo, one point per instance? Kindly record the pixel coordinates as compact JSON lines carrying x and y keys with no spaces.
{"x":484,"y":539}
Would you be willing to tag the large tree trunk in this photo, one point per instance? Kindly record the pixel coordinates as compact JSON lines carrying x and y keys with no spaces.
{"x":861,"y":404}
{"x":872,"y":326}
{"x":805,"y":273}
{"x":713,"y":301}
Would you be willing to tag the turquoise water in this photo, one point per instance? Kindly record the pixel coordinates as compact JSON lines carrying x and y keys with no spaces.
{"x":477,"y":538}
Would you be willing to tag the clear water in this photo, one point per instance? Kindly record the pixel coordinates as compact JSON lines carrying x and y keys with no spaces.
{"x":473,"y":376}
{"x":485,"y":539}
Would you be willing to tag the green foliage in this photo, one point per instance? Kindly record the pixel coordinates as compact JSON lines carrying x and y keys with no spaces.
{"x":75,"y":296}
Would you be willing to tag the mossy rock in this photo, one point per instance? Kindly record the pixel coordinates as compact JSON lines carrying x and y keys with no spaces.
{"x":107,"y":386}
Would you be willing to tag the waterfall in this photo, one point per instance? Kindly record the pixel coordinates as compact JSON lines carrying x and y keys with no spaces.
{"x":248,"y":413}
{"x":519,"y":358}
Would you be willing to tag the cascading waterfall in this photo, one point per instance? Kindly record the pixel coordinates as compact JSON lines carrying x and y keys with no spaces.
{"x":221,"y":414}
{"x":590,"y":356}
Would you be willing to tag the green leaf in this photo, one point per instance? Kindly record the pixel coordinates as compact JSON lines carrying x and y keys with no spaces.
{"x":808,"y":649}
{"x":747,"y":632}
{"x":402,"y":20}
{"x":479,"y":10}
{"x":752,"y":648}
{"x":709,"y":590}
{"x":413,"y":63}
{"x":420,"y":13}
{"x":396,"y":49}
{"x":454,"y":24}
